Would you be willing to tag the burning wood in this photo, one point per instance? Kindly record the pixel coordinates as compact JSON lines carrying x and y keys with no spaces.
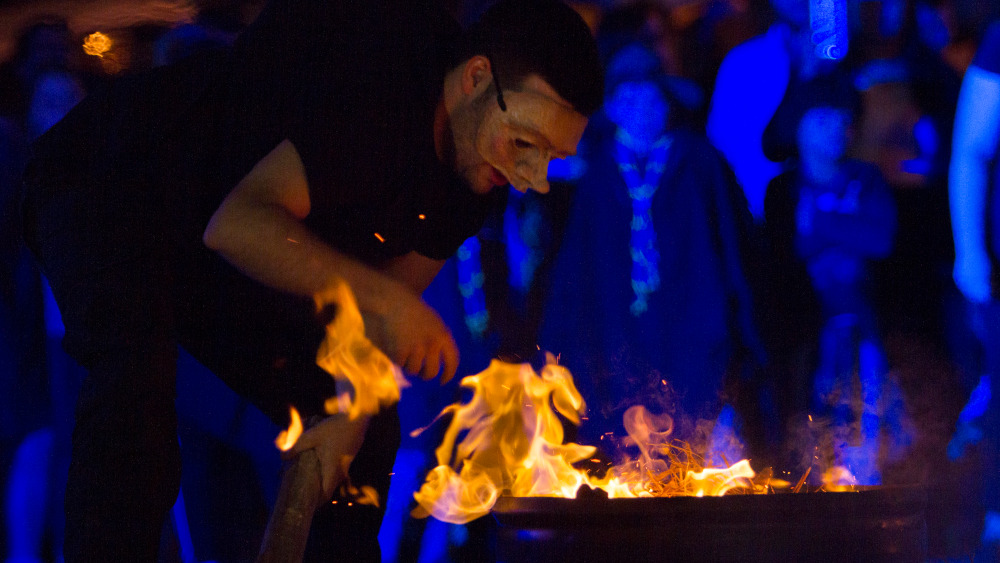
{"x":513,"y":445}
{"x":366,"y":381}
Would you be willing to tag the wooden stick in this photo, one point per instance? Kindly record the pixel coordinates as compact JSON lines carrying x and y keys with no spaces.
{"x":298,"y":498}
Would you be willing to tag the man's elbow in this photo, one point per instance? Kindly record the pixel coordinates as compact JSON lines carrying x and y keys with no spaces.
{"x":214,"y":237}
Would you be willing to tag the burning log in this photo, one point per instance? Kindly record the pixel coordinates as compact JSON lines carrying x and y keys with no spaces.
{"x":300,"y":495}
{"x":366,"y":381}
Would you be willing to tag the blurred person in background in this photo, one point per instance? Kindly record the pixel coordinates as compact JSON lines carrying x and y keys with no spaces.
{"x":648,"y":303}
{"x":752,"y":81}
{"x":909,"y":93}
{"x":975,"y":214}
{"x":828,"y":219}
{"x":37,"y":88}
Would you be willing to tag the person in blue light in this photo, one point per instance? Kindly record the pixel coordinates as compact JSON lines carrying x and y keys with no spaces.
{"x":648,"y":302}
{"x":836,"y":216}
{"x":975,"y":211}
{"x":750,"y":84}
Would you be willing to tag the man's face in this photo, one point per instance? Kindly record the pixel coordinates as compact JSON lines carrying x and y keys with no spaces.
{"x":515,"y":146}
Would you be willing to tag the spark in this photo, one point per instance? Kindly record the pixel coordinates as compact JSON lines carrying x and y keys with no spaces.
{"x":421,"y":216}
{"x":379,"y":237}
{"x":291,"y":240}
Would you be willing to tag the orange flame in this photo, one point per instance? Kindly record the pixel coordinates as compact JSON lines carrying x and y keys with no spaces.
{"x":366,"y":378}
{"x":513,"y":444}
{"x":287,"y":438}
{"x":717,"y":482}
{"x":96,"y":44}
{"x":839,"y":479}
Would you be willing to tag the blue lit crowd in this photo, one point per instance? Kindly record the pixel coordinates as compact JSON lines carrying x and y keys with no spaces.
{"x":801,"y":251}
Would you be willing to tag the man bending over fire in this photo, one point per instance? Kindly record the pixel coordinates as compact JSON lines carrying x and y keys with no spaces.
{"x":206,"y":203}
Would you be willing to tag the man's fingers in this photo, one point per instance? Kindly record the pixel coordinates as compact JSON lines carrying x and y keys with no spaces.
{"x":432,"y":363}
{"x":450,"y":354}
{"x":414,"y":362}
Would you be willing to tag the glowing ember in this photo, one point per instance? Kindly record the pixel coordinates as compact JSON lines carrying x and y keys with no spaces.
{"x":366,"y":378}
{"x":287,"y":438}
{"x":513,"y":445}
{"x":96,"y":44}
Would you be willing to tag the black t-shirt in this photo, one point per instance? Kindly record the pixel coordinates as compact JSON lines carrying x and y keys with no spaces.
{"x":353,"y":85}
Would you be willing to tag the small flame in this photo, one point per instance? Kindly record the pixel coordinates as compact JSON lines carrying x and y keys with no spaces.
{"x":287,"y":438}
{"x":839,"y":479}
{"x":96,"y":44}
{"x":717,"y":482}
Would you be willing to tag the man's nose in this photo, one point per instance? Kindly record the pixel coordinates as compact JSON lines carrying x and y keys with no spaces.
{"x":540,"y":176}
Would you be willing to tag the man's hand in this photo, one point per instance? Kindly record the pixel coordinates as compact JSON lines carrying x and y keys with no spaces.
{"x":972,"y":276}
{"x":336,"y":440}
{"x":414,"y":336}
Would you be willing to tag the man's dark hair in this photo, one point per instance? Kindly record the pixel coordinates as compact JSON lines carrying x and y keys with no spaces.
{"x":542,"y":37}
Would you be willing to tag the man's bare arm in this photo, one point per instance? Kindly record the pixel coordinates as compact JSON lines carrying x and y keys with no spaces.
{"x":258,"y":228}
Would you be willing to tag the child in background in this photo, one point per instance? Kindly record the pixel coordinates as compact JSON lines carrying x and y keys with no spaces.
{"x":836,"y":216}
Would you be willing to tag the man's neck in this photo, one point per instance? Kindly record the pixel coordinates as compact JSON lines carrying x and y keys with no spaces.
{"x":450,"y":96}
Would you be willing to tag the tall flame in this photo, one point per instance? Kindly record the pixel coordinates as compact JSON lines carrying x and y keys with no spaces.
{"x":366,"y":378}
{"x":513,"y":444}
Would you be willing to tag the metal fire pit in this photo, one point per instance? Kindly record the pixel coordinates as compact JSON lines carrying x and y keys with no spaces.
{"x":871,"y":524}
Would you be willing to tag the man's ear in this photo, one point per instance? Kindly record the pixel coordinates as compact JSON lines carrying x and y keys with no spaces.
{"x":475,"y":72}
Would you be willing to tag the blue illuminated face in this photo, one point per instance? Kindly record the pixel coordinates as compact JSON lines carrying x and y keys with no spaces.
{"x":823,"y":133}
{"x":640,"y":108}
